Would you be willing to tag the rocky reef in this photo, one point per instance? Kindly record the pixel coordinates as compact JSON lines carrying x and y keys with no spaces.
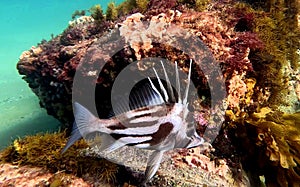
{"x":255,"y":44}
{"x":37,"y":160}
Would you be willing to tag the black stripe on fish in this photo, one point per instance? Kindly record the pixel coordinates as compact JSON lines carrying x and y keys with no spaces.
{"x":117,"y":126}
{"x":143,"y":117}
{"x":163,"y":131}
{"x":160,"y":135}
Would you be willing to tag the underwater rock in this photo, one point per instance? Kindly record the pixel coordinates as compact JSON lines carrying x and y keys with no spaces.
{"x":12,"y":175}
{"x":28,"y":161}
{"x":258,"y":58}
{"x":50,"y":72}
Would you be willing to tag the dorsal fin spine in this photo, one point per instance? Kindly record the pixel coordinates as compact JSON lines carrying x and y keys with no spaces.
{"x":161,"y":86}
{"x":178,"y":83}
{"x":154,"y":88}
{"x":169,"y":86}
{"x":188,"y":84}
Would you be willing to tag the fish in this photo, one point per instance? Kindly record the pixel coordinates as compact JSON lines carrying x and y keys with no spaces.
{"x":161,"y":123}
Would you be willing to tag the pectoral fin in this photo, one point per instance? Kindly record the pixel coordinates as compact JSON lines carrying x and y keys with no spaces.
{"x":153,"y":165}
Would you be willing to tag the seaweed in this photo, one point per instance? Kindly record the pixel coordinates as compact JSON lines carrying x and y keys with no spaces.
{"x":269,"y":144}
{"x":111,"y":12}
{"x":78,"y":13}
{"x":198,"y":5}
{"x":277,"y":27}
{"x":44,"y":150}
{"x":126,"y":7}
{"x":142,"y":5}
{"x":97,"y":13}
{"x":201,"y":5}
{"x":278,"y":140}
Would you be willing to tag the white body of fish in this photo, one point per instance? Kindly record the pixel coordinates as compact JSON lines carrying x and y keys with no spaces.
{"x":161,"y":126}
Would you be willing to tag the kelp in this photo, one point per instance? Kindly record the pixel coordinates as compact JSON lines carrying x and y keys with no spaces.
{"x":278,"y":135}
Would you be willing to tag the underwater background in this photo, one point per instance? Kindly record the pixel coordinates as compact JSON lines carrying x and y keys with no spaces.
{"x":24,"y":24}
{"x":255,"y":43}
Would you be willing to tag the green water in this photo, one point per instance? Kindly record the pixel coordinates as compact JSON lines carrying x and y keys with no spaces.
{"x":23,"y":25}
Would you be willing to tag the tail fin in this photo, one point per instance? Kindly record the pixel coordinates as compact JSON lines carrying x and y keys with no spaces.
{"x":81,"y":126}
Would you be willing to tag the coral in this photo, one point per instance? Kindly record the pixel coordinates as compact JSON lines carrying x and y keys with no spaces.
{"x":240,"y":91}
{"x":193,"y":158}
{"x":12,"y":175}
{"x":138,"y":36}
{"x":298,"y":91}
{"x":156,"y":7}
{"x":198,"y":5}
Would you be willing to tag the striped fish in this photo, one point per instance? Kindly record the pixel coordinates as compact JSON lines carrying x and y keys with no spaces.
{"x":160,"y":123}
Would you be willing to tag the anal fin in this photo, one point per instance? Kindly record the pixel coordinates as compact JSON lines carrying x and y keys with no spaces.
{"x":153,"y":165}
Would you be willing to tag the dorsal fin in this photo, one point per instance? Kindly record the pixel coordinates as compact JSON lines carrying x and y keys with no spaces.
{"x":188,"y":84}
{"x":162,"y":88}
{"x":154,"y":88}
{"x":169,"y":86}
{"x":142,"y":94}
{"x":178,"y":83}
